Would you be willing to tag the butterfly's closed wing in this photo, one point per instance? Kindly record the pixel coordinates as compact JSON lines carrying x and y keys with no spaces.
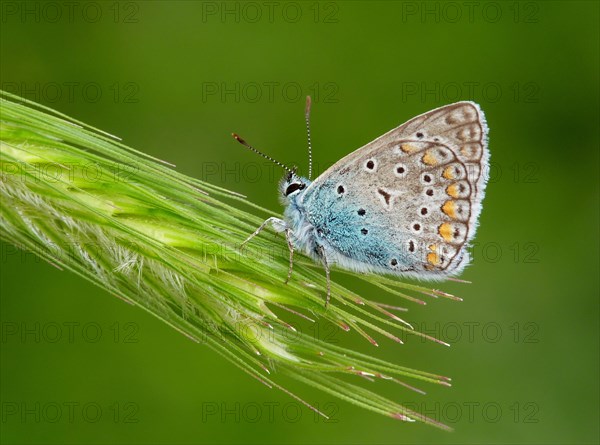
{"x":408,"y":202}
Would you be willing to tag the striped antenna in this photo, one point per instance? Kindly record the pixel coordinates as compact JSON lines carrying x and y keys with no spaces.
{"x":250,"y":147}
{"x":307,"y":119}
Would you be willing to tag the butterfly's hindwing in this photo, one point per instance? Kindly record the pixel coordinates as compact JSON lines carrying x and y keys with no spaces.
{"x":407,"y":202}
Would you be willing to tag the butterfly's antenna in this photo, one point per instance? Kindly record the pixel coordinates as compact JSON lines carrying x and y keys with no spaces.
{"x":250,"y":147}
{"x":307,"y":119}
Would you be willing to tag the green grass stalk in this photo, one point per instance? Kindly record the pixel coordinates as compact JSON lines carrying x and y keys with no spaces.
{"x":169,"y":244}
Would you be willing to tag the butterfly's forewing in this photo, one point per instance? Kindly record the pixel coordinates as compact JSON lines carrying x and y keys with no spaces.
{"x":408,"y":202}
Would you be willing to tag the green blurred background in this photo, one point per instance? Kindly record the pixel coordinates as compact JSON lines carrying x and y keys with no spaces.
{"x":174,"y":79}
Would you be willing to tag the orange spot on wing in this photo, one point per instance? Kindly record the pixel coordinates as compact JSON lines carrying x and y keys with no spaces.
{"x":408,"y":148}
{"x":449,"y":173}
{"x":452,"y":190}
{"x":449,"y":208}
{"x":433,"y":259}
{"x":445,"y":231}
{"x":429,"y":159}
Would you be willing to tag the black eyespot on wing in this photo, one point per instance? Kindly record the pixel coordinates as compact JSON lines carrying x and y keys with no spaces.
{"x":370,"y":165}
{"x":417,"y":227}
{"x":429,"y":192}
{"x":419,"y":135}
{"x":340,"y":189}
{"x":364,"y":231}
{"x":361,"y":212}
{"x":411,"y":246}
{"x":394,"y":262}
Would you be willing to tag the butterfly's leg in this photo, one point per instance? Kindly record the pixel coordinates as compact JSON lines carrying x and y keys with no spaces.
{"x":278,"y":225}
{"x":288,"y":237}
{"x":321,"y":251}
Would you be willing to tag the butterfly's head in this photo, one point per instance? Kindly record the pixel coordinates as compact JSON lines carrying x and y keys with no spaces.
{"x":291,"y":186}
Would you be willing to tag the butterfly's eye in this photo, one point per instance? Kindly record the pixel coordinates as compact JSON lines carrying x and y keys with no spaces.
{"x":293,"y":187}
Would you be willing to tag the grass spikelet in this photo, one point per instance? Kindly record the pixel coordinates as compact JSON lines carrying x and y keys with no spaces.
{"x":131,"y":224}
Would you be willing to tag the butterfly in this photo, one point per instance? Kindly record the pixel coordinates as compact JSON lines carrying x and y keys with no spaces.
{"x":405,"y":204}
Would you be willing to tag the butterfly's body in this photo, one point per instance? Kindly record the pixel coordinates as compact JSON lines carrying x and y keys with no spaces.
{"x":405,"y":204}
